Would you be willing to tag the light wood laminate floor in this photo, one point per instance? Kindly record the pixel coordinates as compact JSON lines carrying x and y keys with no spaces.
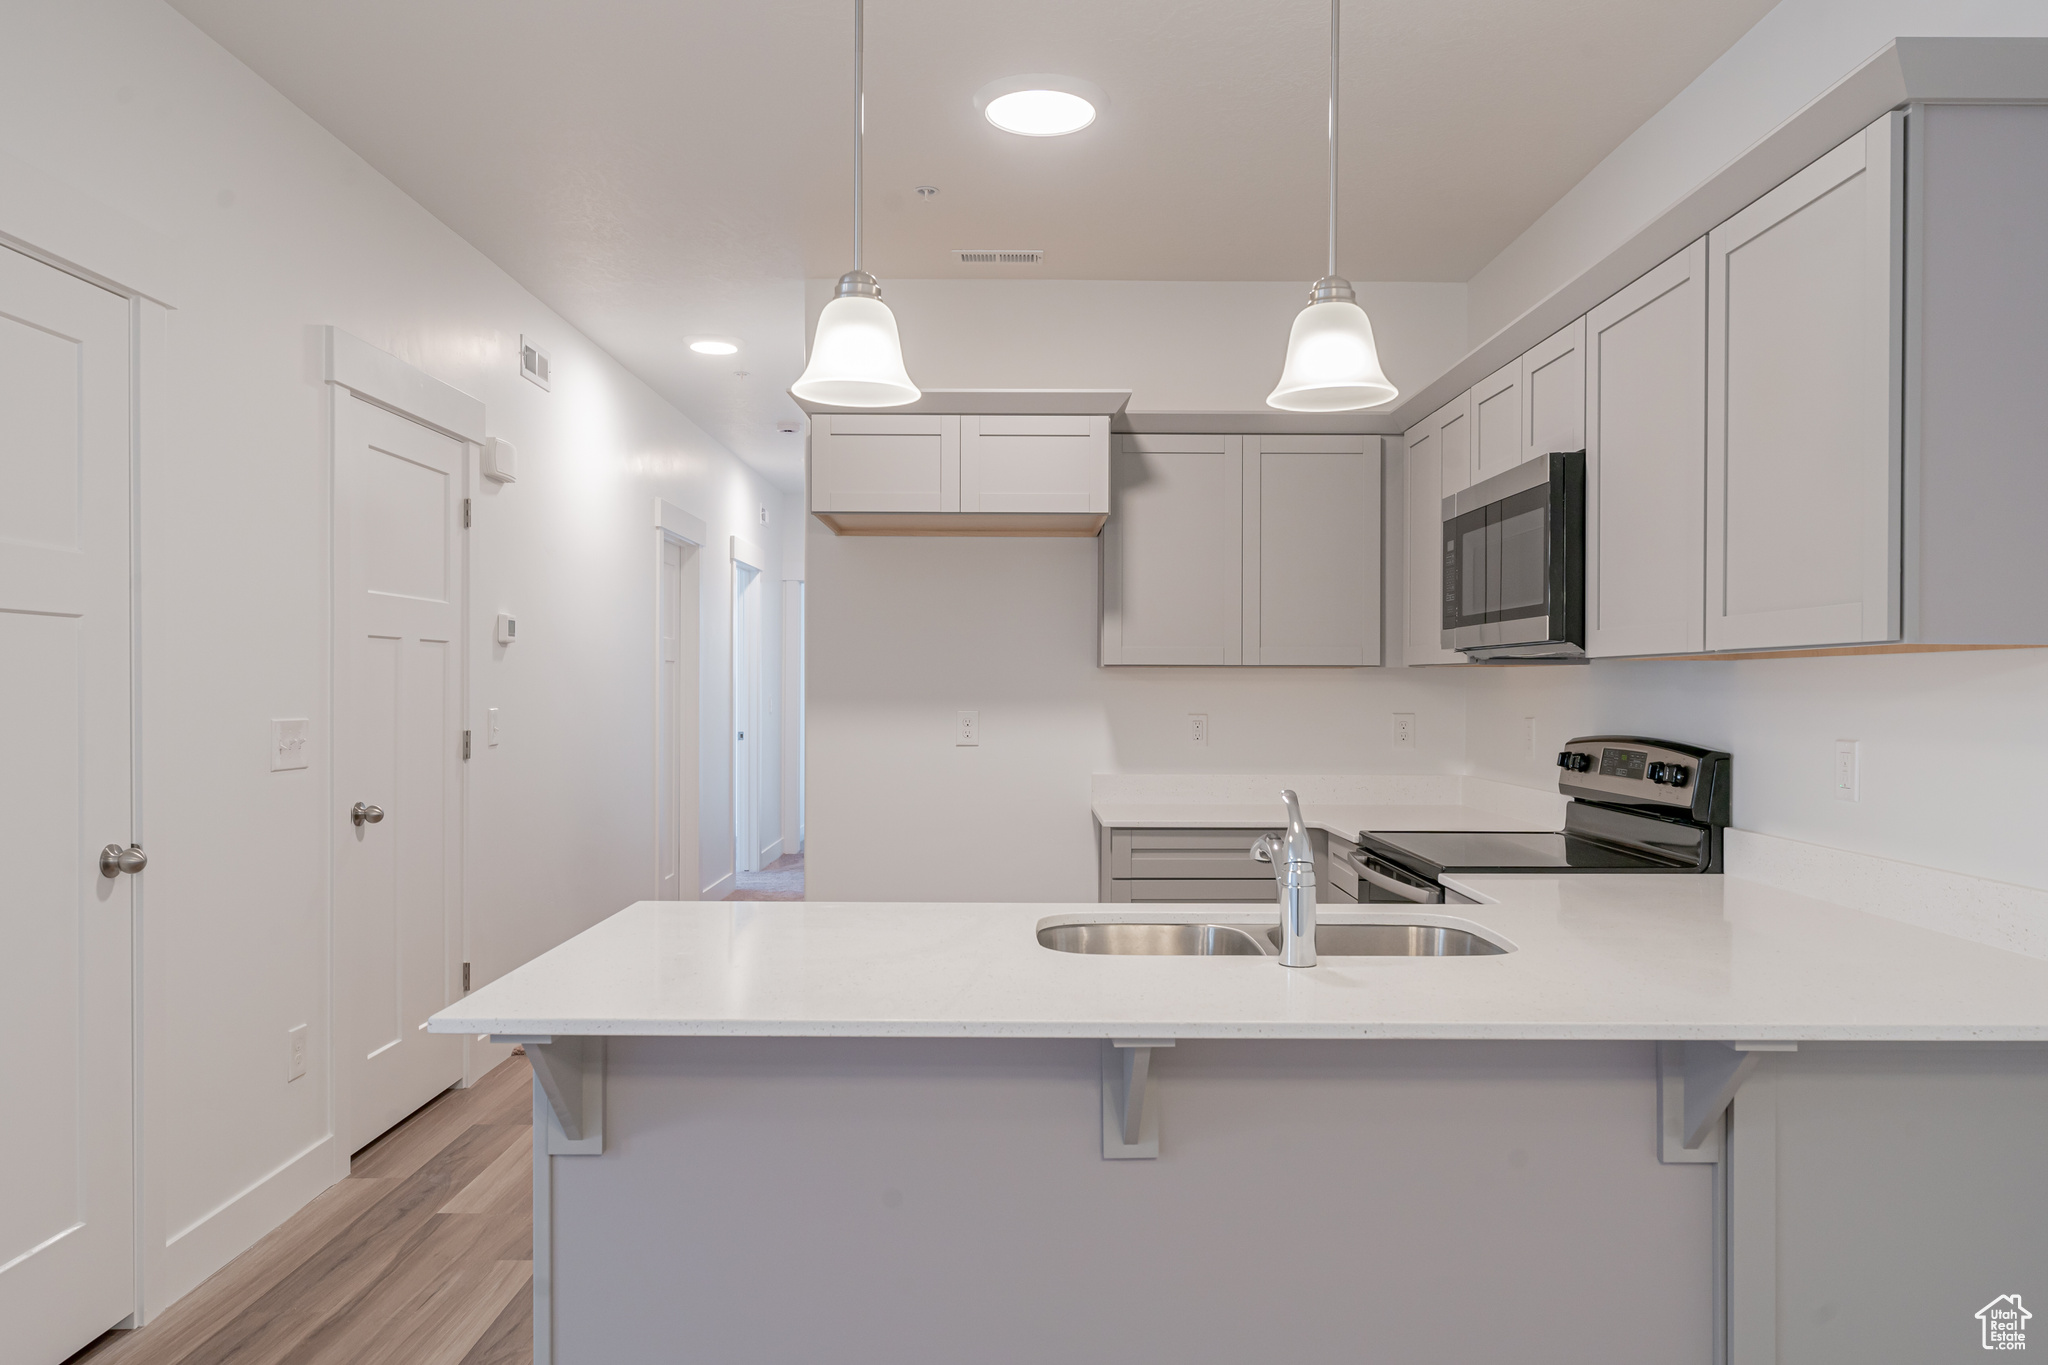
{"x":422,"y":1256}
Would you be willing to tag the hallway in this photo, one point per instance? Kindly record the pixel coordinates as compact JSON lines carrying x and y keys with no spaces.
{"x":422,"y":1256}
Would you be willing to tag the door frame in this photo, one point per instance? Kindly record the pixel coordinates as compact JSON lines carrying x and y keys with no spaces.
{"x":356,"y":368}
{"x":745,"y":557}
{"x":674,"y":526}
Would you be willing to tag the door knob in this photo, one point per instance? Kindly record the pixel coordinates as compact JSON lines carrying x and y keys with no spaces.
{"x":366,"y":815}
{"x":114,"y":859}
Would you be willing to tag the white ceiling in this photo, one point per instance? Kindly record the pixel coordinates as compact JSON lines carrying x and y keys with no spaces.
{"x":659,"y":169}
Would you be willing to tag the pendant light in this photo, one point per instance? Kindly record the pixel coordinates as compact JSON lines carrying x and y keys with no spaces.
{"x":1332,"y":364}
{"x":856,"y":356}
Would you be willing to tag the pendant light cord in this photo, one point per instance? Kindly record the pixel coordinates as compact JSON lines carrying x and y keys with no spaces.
{"x":1334,"y":4}
{"x":859,"y":108}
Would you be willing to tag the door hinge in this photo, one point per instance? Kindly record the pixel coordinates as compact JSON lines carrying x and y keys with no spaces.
{"x":465,"y":978}
{"x":465,"y":744}
{"x":465,"y":513}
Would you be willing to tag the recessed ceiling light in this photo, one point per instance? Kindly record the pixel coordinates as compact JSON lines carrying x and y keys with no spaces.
{"x":710,"y":346}
{"x":1040,"y":105}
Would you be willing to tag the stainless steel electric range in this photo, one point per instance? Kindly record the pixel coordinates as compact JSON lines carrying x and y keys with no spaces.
{"x":1638,"y":805}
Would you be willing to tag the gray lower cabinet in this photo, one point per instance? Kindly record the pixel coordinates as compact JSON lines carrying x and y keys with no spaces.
{"x":1139,"y":865}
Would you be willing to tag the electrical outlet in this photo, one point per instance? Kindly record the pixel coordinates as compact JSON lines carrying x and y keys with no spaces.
{"x":1198,"y":728}
{"x":295,"y":1053}
{"x":969,"y":729}
{"x":1404,"y":730}
{"x":1848,"y":763}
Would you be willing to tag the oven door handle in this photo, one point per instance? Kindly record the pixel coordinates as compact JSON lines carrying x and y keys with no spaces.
{"x":1363,"y":865}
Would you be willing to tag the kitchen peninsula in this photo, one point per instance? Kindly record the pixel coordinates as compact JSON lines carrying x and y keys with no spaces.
{"x":910,"y":1114}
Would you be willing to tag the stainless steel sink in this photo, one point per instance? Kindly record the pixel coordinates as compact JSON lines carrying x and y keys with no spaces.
{"x":1394,"y":940}
{"x":1156,"y":940}
{"x":1258,"y":940}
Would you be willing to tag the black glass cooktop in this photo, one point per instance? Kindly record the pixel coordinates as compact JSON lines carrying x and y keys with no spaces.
{"x":1432,"y":853}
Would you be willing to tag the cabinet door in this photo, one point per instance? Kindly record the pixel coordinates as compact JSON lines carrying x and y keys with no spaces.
{"x":1423,"y":525}
{"x":1172,"y":551}
{"x":1454,"y":443}
{"x":1554,"y":393}
{"x":1804,"y":295}
{"x":1312,"y":550}
{"x":1646,"y":463}
{"x":1497,"y":435}
{"x":1034,"y":464}
{"x":885,"y":462}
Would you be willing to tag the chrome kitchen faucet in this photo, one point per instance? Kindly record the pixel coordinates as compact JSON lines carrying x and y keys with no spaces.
{"x":1294,"y":869}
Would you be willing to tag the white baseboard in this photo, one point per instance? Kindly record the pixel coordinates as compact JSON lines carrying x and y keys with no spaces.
{"x":771,"y":853}
{"x":719,"y":889}
{"x":1998,"y":914}
{"x":217,"y":1237}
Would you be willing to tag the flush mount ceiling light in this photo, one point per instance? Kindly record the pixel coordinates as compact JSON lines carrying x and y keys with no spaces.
{"x":714,"y":346}
{"x":1040,"y":105}
{"x":1332,"y":364}
{"x":856,"y":355}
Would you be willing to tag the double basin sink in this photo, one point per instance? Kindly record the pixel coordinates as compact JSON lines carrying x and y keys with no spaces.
{"x":1211,"y":939}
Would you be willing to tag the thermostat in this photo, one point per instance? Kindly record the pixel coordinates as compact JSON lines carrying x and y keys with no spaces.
{"x":508,"y":627}
{"x":500,"y":461}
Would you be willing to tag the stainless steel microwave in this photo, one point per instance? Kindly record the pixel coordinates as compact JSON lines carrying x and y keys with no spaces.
{"x":1515,"y":562}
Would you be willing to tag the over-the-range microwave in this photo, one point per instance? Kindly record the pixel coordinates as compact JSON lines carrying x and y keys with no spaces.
{"x":1515,"y":562}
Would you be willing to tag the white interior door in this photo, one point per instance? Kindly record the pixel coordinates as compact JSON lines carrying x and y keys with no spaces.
{"x":397,"y":747}
{"x":746,"y":667}
{"x":66,"y":1143}
{"x":676,"y":724}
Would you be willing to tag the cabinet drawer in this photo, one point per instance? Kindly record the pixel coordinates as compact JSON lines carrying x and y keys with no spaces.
{"x":1144,"y":889}
{"x":879,"y":462}
{"x":1034,"y":464}
{"x":1208,"y":853}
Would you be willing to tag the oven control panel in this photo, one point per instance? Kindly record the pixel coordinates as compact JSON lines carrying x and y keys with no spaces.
{"x":1629,"y":770}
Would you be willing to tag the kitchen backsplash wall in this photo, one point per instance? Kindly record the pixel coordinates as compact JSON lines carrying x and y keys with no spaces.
{"x":906,"y":633}
{"x":1948,"y":745}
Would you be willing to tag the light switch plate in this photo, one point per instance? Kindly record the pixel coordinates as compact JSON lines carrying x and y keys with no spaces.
{"x":968,"y":732}
{"x":288,"y":741}
{"x":491,"y":726}
{"x":1848,"y":770}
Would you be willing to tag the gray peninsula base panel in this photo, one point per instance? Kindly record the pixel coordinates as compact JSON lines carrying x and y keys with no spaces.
{"x":945,"y":1202}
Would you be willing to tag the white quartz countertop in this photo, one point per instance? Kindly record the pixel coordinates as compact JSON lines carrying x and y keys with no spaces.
{"x":1595,"y":956}
{"x":1335,"y":817}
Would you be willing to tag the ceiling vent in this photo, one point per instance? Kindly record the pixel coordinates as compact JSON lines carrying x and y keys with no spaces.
{"x":1000,"y":257}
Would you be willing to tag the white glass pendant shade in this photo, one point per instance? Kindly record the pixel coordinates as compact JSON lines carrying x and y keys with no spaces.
{"x":1332,"y":364}
{"x":856,"y":357}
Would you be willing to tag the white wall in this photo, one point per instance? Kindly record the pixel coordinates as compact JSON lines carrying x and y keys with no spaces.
{"x":1789,"y":59}
{"x":133,"y":143}
{"x":1179,"y":346}
{"x":904,"y":633}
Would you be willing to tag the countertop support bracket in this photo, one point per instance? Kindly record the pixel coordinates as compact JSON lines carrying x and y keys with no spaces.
{"x":570,"y":1072}
{"x":1696,"y":1082}
{"x":1130,"y":1121}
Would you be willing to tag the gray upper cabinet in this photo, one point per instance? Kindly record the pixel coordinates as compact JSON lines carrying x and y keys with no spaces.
{"x":1225,"y":550}
{"x":1646,"y":463}
{"x":1554,"y":393}
{"x":1805,"y":328}
{"x":1312,"y":550}
{"x":1031,"y":463}
{"x":1427,"y":485}
{"x":1173,"y":551}
{"x":885,"y":462}
{"x":1497,"y":426}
